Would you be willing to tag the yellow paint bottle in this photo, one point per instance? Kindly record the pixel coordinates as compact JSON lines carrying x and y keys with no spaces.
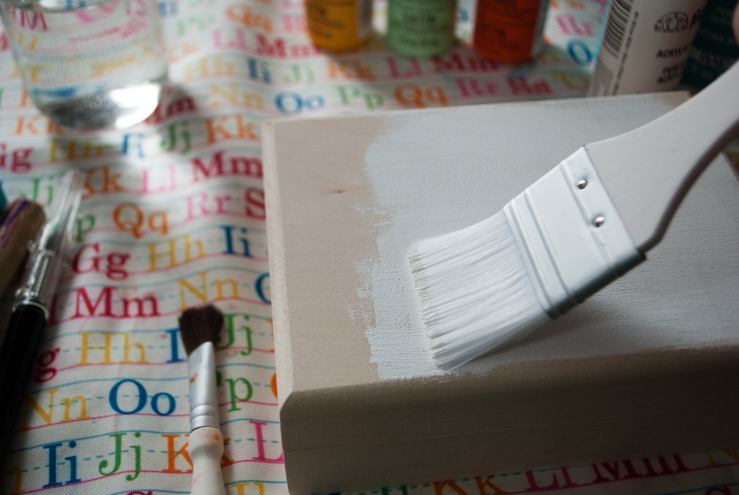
{"x":339,"y":25}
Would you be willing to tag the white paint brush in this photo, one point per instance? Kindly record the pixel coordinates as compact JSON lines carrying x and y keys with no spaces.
{"x":582,"y":225}
{"x":199,"y":327}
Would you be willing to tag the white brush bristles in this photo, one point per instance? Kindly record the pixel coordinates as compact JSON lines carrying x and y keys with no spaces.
{"x":475,"y":291}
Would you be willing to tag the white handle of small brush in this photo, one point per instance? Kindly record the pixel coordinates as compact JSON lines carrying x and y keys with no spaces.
{"x":205,"y":446}
{"x":648,"y":171}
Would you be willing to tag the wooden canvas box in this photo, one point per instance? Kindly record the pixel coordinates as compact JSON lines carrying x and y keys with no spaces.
{"x":648,"y":366}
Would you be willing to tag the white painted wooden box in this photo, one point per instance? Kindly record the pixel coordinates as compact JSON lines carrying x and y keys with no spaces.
{"x":649,"y":366}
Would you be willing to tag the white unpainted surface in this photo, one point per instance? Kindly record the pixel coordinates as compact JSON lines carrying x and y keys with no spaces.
{"x":433,"y":173}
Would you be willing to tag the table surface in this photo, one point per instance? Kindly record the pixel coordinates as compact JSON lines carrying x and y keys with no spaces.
{"x":174,"y":216}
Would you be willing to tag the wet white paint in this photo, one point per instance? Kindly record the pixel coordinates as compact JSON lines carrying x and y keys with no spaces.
{"x":429,"y":176}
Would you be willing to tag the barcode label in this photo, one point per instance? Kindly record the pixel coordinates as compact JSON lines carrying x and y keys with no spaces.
{"x":618,"y":18}
{"x":364,"y":18}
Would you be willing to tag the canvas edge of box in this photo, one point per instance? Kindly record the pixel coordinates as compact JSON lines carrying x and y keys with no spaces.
{"x":651,"y":404}
{"x":276,"y":250}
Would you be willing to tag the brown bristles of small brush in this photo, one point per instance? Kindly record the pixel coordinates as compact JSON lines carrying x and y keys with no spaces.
{"x":200,"y":325}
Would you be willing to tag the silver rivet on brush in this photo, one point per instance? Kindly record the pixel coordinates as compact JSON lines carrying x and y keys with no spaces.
{"x":582,"y":183}
{"x":599,"y":220}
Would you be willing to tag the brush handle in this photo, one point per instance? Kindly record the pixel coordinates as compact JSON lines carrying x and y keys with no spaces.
{"x":205,"y":446}
{"x":648,"y":171}
{"x":22,"y":341}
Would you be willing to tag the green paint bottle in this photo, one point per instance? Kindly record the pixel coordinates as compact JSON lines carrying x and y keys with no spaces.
{"x":420,"y":28}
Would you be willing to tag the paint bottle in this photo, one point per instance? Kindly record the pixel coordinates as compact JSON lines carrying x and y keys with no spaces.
{"x":339,"y":25}
{"x":420,"y":28}
{"x":602,"y":28}
{"x":715,"y":48}
{"x":645,"y":46}
{"x":509,"y":31}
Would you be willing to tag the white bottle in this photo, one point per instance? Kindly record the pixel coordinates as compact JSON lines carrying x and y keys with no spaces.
{"x":645,"y":46}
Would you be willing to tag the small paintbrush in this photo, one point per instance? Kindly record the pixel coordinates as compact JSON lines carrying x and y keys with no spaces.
{"x":199,"y":327}
{"x":582,"y":225}
{"x":34,"y":301}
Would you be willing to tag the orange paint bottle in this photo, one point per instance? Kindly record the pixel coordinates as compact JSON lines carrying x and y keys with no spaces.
{"x":339,"y":25}
{"x":509,"y":31}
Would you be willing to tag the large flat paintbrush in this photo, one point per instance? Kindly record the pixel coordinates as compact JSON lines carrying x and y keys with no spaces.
{"x":199,"y":327}
{"x":581,"y":226}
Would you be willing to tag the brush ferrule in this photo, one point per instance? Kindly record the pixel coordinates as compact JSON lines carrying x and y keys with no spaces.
{"x":570,"y":235}
{"x":203,"y":397}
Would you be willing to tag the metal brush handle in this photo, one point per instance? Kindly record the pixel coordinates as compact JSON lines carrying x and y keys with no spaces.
{"x":649,"y":170}
{"x":203,"y":396}
{"x":205,"y":443}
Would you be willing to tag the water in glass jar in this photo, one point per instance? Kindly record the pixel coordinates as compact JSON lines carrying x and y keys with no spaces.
{"x":89,"y":64}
